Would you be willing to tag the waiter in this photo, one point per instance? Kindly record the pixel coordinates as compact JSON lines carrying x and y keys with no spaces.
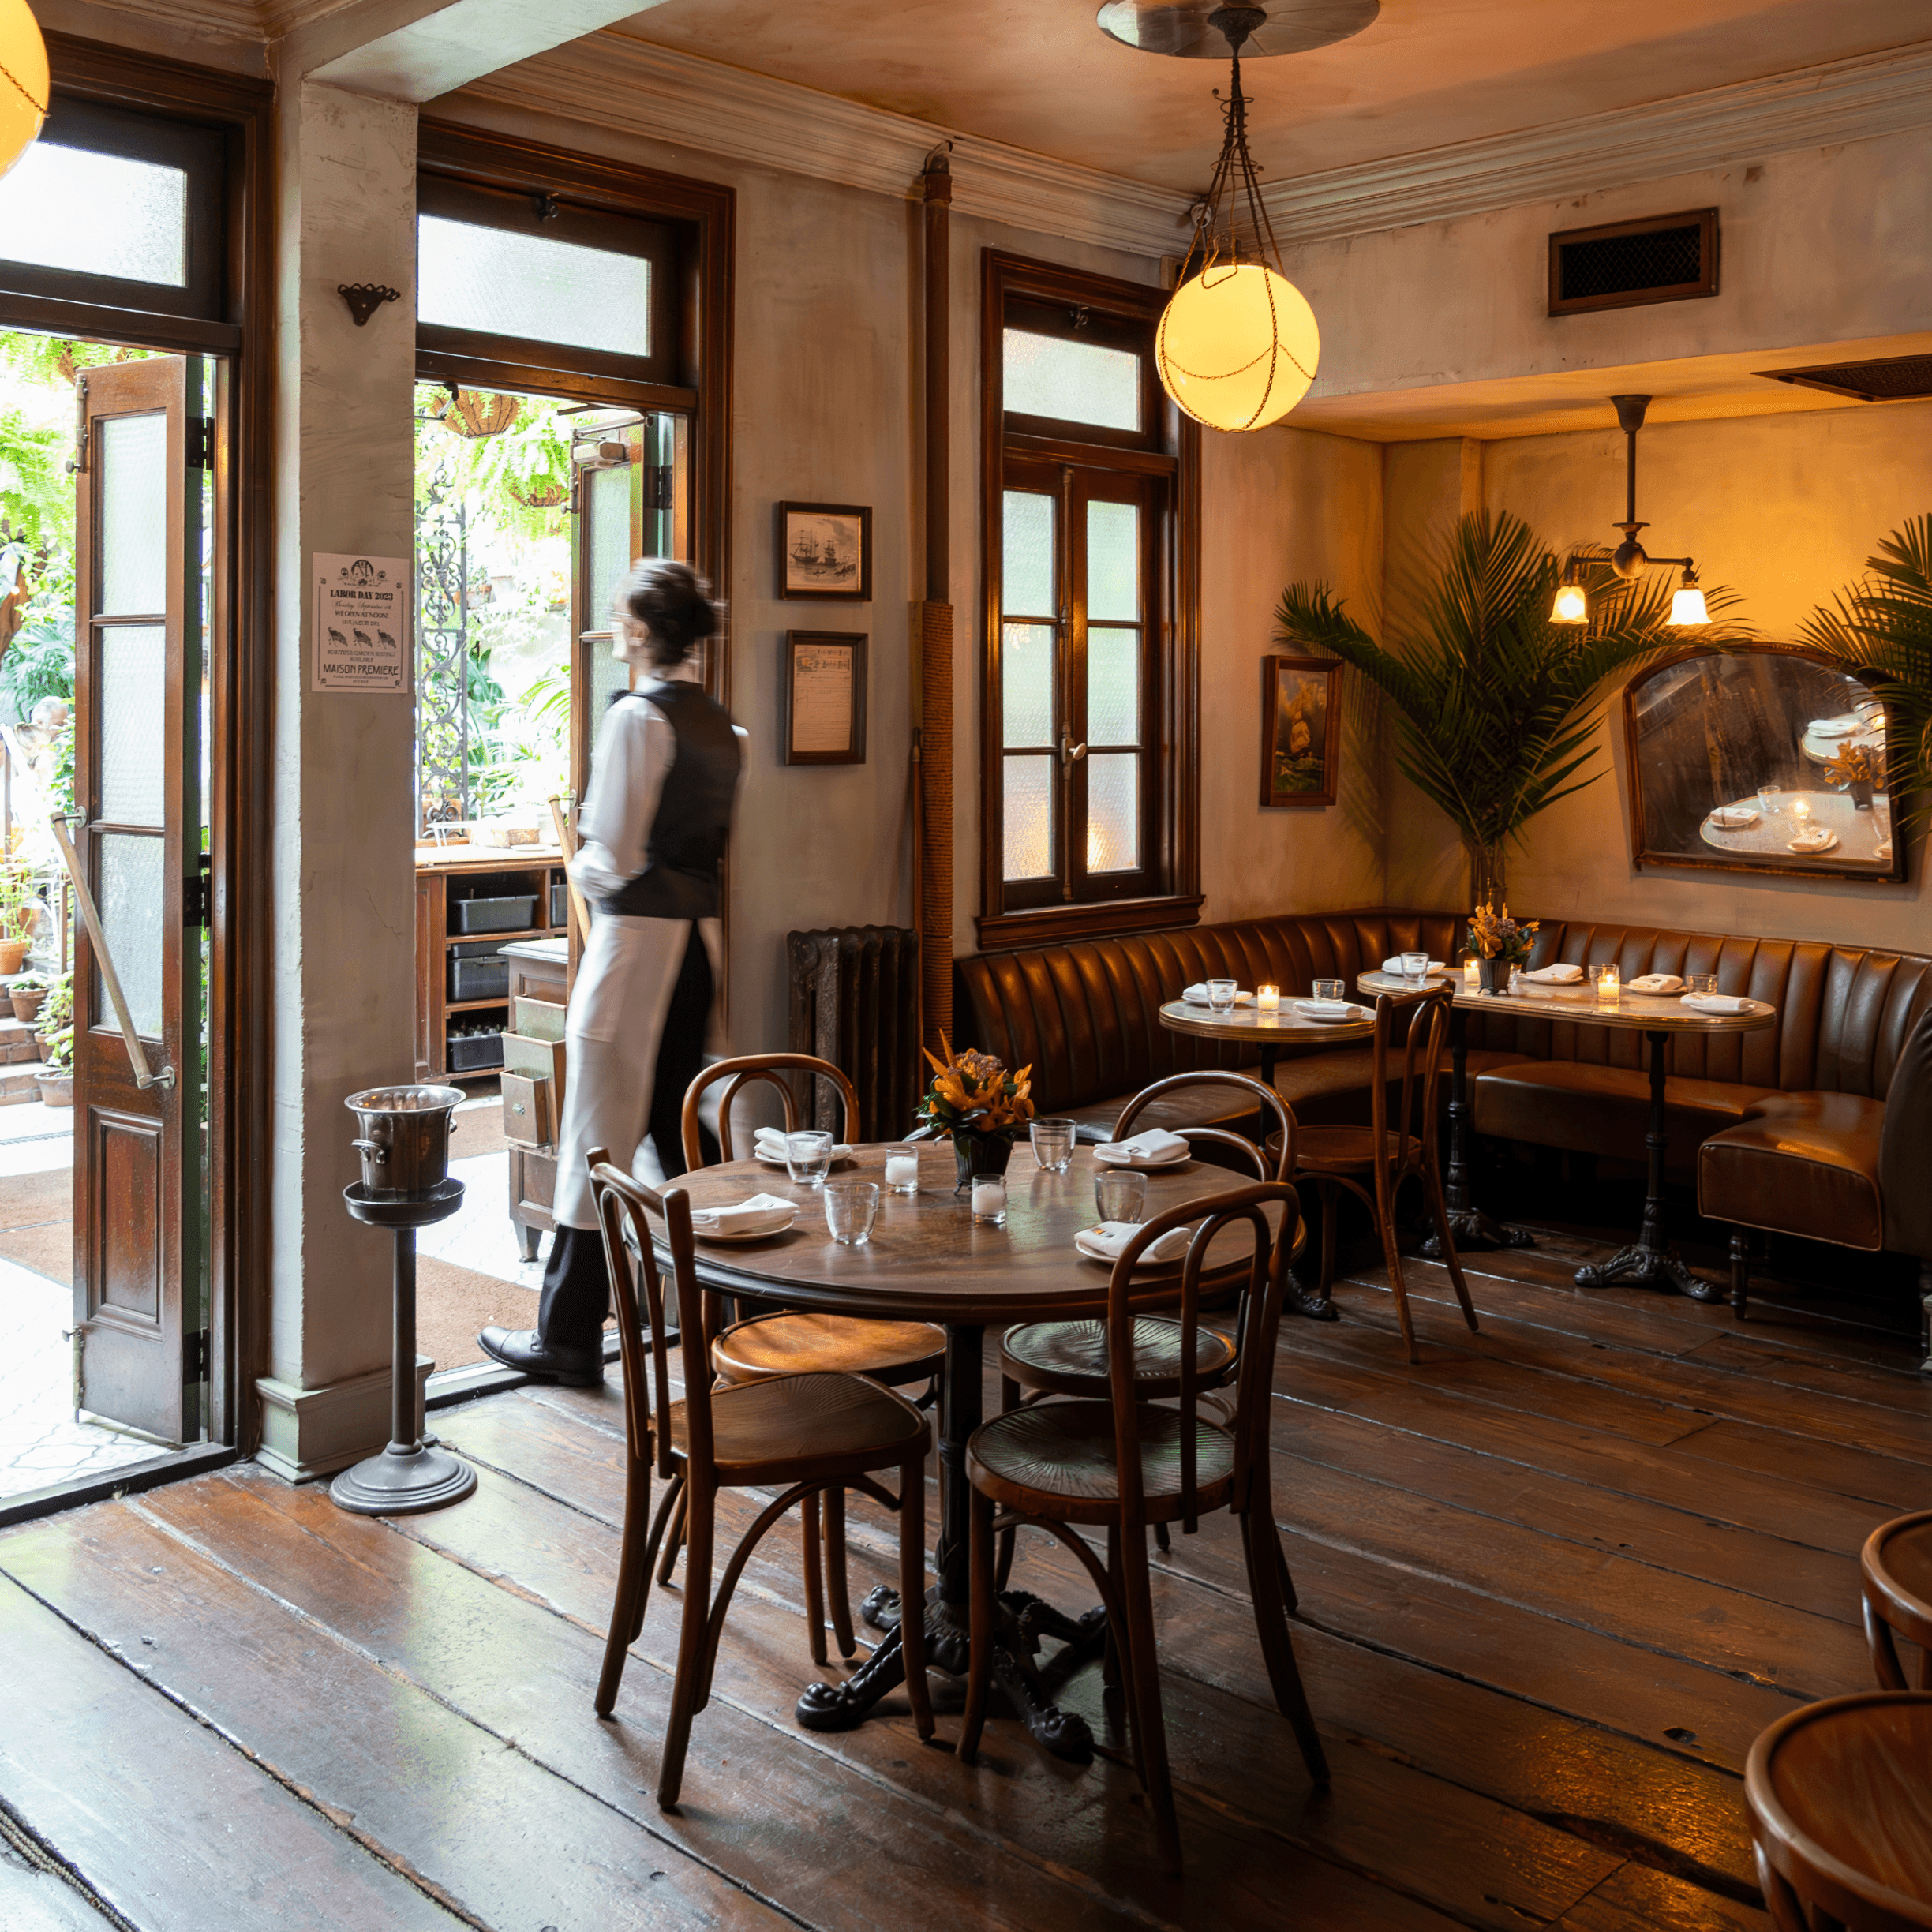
{"x":652,"y":834}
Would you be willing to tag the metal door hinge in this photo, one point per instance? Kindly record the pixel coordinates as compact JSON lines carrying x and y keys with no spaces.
{"x":200,"y":443}
{"x":658,"y":487}
{"x":195,"y":1357}
{"x":77,"y":464}
{"x":198,"y":897}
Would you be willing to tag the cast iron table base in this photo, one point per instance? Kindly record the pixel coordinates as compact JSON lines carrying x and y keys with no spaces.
{"x":1473,"y":1230}
{"x":409,"y":1475}
{"x":1648,"y":1262}
{"x":1023,"y":1619}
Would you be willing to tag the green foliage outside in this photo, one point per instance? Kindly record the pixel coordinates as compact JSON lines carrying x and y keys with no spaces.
{"x":56,"y":1021}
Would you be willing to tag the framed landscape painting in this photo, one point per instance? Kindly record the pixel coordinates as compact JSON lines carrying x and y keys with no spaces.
{"x":1301,"y":730}
{"x":825,"y":551}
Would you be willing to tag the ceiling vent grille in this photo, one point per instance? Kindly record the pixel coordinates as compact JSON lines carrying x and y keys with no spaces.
{"x":1627,"y":264}
{"x":1891,"y":379}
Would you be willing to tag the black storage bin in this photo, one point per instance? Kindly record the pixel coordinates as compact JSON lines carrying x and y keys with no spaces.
{"x":472,"y":1051}
{"x":489,"y":916}
{"x":560,"y":904}
{"x":479,"y":978}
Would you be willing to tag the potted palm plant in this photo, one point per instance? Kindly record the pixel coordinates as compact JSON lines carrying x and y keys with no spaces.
{"x":1880,"y":630}
{"x":55,"y":1080}
{"x":1495,"y":703}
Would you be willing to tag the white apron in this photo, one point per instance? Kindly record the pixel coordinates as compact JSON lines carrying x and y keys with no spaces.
{"x":624,"y":983}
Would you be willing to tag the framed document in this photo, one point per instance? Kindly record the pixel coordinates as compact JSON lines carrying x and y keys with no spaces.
{"x":825,"y":552}
{"x":825,"y":697}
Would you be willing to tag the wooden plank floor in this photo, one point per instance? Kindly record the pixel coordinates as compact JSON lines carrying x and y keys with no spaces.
{"x":1553,"y":1582}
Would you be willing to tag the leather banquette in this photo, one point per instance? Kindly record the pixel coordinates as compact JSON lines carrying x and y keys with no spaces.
{"x":1784,"y":1127}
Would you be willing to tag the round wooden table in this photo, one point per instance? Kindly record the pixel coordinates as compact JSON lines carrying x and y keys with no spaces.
{"x":1270,"y":1034}
{"x":928,"y":1261}
{"x":1657,"y":1015}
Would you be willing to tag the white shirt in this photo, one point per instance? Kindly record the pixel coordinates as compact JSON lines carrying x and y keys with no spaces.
{"x":636,"y":748}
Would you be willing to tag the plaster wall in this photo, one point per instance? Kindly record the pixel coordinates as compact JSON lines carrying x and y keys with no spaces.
{"x":1785,"y":510}
{"x":1817,"y":245}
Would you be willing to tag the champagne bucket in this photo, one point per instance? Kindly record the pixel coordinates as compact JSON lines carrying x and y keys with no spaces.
{"x":404,"y":1140}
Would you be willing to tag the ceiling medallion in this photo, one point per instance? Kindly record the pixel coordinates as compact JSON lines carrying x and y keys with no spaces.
{"x":1190,"y":30}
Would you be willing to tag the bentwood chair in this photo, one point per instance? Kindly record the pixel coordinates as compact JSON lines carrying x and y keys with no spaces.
{"x":796,"y":1435}
{"x":1841,"y":1814}
{"x":895,"y":1353}
{"x":1399,"y":1142}
{"x":1124,"y":1463}
{"x":1895,"y":1569}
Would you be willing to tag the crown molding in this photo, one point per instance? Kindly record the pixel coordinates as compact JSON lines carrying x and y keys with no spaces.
{"x":1849,"y":100}
{"x":616,"y":80}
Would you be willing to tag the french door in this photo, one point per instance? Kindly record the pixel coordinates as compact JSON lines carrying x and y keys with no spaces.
{"x":138,"y":1237}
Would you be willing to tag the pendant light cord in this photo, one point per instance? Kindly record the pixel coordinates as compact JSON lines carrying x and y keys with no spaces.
{"x":39,"y":108}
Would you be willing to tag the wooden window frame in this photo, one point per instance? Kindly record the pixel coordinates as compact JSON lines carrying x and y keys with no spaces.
{"x":236,"y":296}
{"x":1166,"y":447}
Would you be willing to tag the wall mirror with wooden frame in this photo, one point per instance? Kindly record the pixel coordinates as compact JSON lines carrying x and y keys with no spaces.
{"x":1765,"y":759}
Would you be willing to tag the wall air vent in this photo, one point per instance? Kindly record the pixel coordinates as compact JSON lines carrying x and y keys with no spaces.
{"x":1891,"y":379}
{"x":1627,"y":264}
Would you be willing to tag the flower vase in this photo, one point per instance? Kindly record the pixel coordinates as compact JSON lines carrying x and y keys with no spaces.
{"x":979,"y":1154}
{"x":1492,"y":974}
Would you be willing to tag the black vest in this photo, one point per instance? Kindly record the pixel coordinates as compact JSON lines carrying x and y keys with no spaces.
{"x":687,"y":836}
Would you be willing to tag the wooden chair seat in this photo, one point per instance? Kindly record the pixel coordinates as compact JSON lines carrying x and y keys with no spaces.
{"x":891,"y":1351}
{"x":1895,"y":1565}
{"x":1070,"y":1357}
{"x":1060,"y":1457}
{"x":1841,"y":1812}
{"x":789,"y":1421}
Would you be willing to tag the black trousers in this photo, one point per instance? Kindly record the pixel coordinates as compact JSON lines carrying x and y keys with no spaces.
{"x":575,"y":1302}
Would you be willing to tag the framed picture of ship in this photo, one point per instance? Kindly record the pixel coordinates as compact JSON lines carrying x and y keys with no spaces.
{"x":825,"y":552}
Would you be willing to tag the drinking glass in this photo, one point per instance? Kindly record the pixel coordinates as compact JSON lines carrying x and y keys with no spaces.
{"x":808,"y":1156}
{"x":1415,"y":965}
{"x":850,"y":1208}
{"x":1121,"y":1197}
{"x":1220,"y":994}
{"x":1052,"y":1144}
{"x":989,"y":1200}
{"x":1771,"y":800}
{"x":1700,"y":983}
{"x":1331,"y":989}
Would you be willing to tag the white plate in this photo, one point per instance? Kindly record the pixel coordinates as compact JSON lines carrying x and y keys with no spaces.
{"x":1836,"y":727}
{"x":1106,"y":1261}
{"x":1329,"y":1009}
{"x":749,"y":1235}
{"x":1139,"y":1163}
{"x":1811,"y":847}
{"x":1734,"y":818}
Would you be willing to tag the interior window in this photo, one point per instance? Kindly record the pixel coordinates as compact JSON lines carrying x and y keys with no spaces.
{"x":98,"y":214}
{"x":498,"y":282}
{"x":1083,"y":382}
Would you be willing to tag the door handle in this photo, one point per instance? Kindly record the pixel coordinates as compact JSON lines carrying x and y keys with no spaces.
{"x":137,"y":1054}
{"x":1070,"y":752}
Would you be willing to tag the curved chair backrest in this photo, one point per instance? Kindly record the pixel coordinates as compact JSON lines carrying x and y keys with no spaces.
{"x":773,"y":1068}
{"x":1263,"y":1098}
{"x":1905,"y":1147}
{"x":1258,"y":1322}
{"x":1421,"y":1050}
{"x":641,"y":1316}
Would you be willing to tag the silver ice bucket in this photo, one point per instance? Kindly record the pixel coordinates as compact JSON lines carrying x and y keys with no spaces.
{"x":404,"y":1140}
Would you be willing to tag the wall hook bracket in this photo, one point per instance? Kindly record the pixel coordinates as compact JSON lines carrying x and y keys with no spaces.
{"x":365,"y":298}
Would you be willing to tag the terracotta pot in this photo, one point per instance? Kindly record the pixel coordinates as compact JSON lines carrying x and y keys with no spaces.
{"x":13,"y":955}
{"x":41,"y":1046}
{"x":56,"y":1089}
{"x":980,"y":1154}
{"x":26,"y":1005}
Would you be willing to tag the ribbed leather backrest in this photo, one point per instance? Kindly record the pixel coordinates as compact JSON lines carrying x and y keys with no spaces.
{"x":1086,"y":1016}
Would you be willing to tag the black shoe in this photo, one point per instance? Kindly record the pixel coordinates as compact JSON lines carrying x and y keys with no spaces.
{"x":525,"y":1350}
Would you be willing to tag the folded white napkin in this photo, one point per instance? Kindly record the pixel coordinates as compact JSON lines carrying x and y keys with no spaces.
{"x":1325,"y":1009}
{"x":1840,"y":726}
{"x":768,"y":1144}
{"x":1882,"y":849}
{"x":1716,"y":1003}
{"x":1197,"y":996}
{"x":1555,"y":976}
{"x":1820,"y":838}
{"x":1654,"y":983}
{"x":759,"y":1214}
{"x":1155,"y":1148}
{"x":1108,"y":1242}
{"x":1734,"y":817}
{"x":1395,"y":966}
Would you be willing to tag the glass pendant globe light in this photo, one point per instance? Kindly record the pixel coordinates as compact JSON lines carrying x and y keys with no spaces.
{"x":1237,"y":344}
{"x":23,"y":80}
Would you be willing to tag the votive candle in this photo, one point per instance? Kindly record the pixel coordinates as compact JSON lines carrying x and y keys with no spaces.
{"x":1801,"y":810}
{"x":1472,"y":975}
{"x":989,"y":1199}
{"x":1609,"y":986}
{"x":1267,"y":999}
{"x":902,"y":1173}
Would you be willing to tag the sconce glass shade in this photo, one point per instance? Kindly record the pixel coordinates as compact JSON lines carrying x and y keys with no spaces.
{"x":1237,"y":346}
{"x":23,"y":80}
{"x":1571,"y":607}
{"x":1688,"y":604}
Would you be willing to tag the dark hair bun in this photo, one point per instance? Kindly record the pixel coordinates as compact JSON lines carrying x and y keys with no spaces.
{"x":674,"y":601}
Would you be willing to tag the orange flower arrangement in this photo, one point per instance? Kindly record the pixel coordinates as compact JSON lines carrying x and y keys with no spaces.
{"x":1856,"y":764}
{"x":972,"y":1093}
{"x":1493,"y":934}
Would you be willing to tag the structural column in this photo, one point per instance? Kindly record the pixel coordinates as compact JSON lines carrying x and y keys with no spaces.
{"x":932,"y":859}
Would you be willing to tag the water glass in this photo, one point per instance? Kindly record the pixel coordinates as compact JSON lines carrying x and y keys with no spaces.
{"x":1771,"y":800}
{"x":850,"y":1208}
{"x":902,"y":1173}
{"x":808,"y":1156}
{"x":1700,"y":983}
{"x":1331,"y":989}
{"x":1415,"y":965}
{"x":1053,"y":1145}
{"x":1221,"y":995}
{"x":1120,"y":1196}
{"x":989,"y":1200}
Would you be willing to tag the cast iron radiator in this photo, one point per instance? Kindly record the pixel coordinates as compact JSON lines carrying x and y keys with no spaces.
{"x":854,"y":1002}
